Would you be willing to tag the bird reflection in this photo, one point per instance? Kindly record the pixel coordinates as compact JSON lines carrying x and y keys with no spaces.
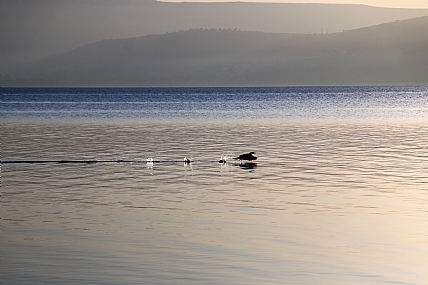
{"x":247,"y":165}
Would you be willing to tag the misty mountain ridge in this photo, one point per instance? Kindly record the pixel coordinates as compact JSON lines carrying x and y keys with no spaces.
{"x":35,"y":28}
{"x":392,"y":53}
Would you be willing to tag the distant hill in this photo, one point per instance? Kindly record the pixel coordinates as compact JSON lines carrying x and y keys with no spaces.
{"x":392,"y":53}
{"x":34,"y":28}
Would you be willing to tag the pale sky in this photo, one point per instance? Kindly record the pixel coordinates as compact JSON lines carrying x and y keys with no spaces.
{"x":376,"y":3}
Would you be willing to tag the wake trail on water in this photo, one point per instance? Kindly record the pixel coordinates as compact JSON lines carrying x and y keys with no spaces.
{"x":98,"y":161}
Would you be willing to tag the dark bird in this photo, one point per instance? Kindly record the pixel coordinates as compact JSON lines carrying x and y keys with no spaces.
{"x":247,"y":156}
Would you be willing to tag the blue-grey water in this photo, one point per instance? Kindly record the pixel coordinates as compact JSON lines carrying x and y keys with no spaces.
{"x":339,"y":194}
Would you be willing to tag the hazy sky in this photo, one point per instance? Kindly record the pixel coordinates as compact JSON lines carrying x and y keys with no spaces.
{"x":377,"y":3}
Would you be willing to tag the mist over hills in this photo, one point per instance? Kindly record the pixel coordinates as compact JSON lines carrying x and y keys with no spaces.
{"x":35,"y":28}
{"x":392,"y":53}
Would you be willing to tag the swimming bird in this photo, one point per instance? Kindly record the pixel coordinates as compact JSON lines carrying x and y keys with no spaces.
{"x":247,"y":156}
{"x":223,"y":159}
{"x":149,"y":160}
{"x":186,"y":160}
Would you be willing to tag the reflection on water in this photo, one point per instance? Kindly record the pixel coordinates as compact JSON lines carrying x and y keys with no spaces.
{"x":327,"y":203}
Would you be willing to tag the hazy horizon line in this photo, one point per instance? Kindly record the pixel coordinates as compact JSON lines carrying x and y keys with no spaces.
{"x":404,"y":5}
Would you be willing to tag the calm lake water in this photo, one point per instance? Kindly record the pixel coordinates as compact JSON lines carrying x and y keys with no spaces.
{"x":339,"y":194}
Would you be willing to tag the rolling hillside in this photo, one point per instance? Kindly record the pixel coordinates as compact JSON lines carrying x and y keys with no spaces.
{"x":31,"y":29}
{"x":392,"y":53}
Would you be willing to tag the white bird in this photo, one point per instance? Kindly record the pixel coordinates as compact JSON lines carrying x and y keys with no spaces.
{"x":223,"y":159}
{"x":186,"y":160}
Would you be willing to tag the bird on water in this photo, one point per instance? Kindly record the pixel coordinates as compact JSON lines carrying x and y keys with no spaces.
{"x":223,"y":159}
{"x":247,"y":156}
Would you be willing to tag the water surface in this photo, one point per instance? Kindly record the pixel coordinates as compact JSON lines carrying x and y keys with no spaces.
{"x":338,"y":195}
